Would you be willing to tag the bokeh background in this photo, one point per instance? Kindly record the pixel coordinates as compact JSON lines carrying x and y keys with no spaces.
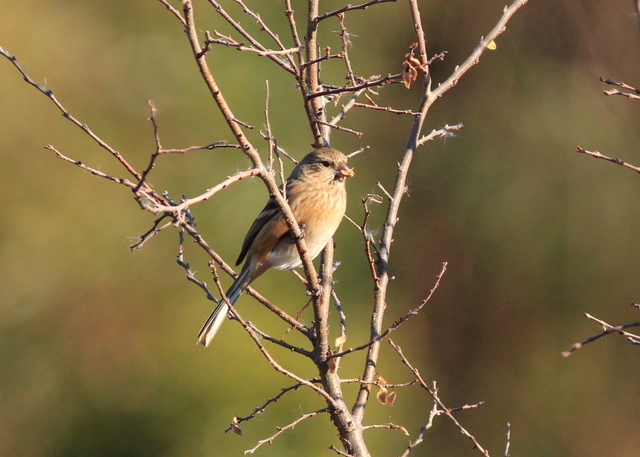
{"x":97,"y":344}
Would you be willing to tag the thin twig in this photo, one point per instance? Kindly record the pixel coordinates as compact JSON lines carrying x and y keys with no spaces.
{"x":434,"y":394}
{"x":388,"y":109}
{"x":474,"y":57}
{"x":154,"y":230}
{"x":380,"y":384}
{"x":372,"y":83}
{"x":256,"y":44}
{"x":285,"y":428}
{"x":400,"y":321}
{"x":609,"y":329}
{"x":444,"y":132}
{"x":274,"y":36}
{"x":174,"y":11}
{"x":388,"y":426}
{"x":67,"y":115}
{"x":344,"y":38}
{"x":363,"y":6}
{"x":208,"y":194}
{"x":190,"y":275}
{"x":261,"y":409}
{"x":597,"y":155}
{"x":412,"y":444}
{"x":93,"y":171}
{"x":506,"y":450}
{"x":344,"y":129}
{"x":635,"y":95}
{"x":339,"y":452}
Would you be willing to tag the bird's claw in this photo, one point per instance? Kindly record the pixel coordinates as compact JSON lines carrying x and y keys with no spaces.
{"x":295,"y":239}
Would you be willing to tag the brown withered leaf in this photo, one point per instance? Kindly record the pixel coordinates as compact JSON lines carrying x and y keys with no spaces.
{"x":235,"y":427}
{"x":382,"y":395}
{"x":391,"y":398}
{"x":369,"y":99}
{"x":408,"y":74}
{"x":400,"y":427}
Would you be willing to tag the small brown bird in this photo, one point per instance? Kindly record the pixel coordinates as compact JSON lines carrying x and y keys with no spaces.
{"x":317,"y":195}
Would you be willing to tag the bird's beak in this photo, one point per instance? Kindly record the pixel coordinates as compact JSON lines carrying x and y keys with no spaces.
{"x":343,"y":171}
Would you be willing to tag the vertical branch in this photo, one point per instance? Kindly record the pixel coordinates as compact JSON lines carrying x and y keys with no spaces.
{"x":382,"y":271}
{"x":321,"y":309}
{"x":247,"y":147}
{"x":223,"y":106}
{"x":382,"y":261}
{"x":310,"y":78}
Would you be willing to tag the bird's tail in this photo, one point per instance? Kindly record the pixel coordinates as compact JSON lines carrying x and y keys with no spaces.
{"x":219,"y":314}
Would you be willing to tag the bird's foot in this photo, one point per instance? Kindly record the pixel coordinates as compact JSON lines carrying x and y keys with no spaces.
{"x":294,"y":238}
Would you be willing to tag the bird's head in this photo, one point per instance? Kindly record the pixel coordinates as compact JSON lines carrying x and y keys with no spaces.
{"x":326,"y":164}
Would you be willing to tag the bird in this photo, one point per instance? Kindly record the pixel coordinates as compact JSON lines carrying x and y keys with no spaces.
{"x":316,"y":192}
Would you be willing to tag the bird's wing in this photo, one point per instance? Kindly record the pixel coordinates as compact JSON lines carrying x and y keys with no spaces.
{"x":275,"y":229}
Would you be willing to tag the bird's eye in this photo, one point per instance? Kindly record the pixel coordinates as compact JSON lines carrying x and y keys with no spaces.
{"x":326,"y":163}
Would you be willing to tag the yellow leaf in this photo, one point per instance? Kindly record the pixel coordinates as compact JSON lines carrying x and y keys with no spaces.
{"x":492,"y":46}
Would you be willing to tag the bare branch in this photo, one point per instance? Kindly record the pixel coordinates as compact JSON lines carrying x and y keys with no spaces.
{"x":386,"y":108}
{"x":339,"y":452}
{"x":474,"y":57}
{"x":609,"y":329}
{"x":506,"y":450}
{"x":261,"y":409}
{"x":432,"y":414}
{"x":174,"y":11}
{"x":635,"y":95}
{"x":285,"y":428}
{"x":68,"y":115}
{"x":208,"y":194}
{"x":444,"y":132}
{"x":389,"y":426}
{"x":274,"y":36}
{"x":344,"y":37}
{"x":363,"y":6}
{"x":372,"y":83}
{"x":400,"y":321}
{"x":255,"y":43}
{"x":154,"y":230}
{"x":434,"y":394}
{"x":93,"y":171}
{"x":597,"y":155}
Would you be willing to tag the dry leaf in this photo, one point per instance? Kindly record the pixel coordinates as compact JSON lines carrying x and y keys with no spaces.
{"x":392,"y":398}
{"x":492,"y":46}
{"x":382,"y":395}
{"x":235,"y":427}
{"x":370,"y":100}
{"x":406,"y":76}
{"x":340,"y":341}
{"x":414,"y":62}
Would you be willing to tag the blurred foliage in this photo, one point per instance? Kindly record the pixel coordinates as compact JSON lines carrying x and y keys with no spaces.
{"x":97,"y":344}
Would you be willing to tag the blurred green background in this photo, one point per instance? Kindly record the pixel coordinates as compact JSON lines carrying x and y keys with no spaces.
{"x":97,"y":344}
